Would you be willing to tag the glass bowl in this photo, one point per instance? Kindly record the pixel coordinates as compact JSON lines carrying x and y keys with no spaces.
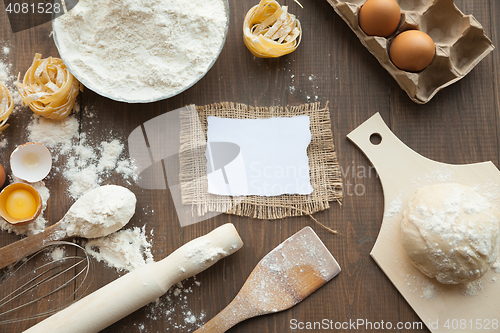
{"x":90,"y":85}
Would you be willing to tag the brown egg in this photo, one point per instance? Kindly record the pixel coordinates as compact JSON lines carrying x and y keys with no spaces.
{"x":2,"y":175}
{"x":412,"y":50}
{"x":379,"y":17}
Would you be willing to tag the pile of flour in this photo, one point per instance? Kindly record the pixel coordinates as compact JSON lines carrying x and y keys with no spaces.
{"x":100,"y":212}
{"x":139,"y":50}
{"x":124,"y":250}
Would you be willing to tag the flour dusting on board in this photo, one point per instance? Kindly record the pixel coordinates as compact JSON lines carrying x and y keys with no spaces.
{"x":472,"y":288}
{"x":496,"y":266}
{"x":440,"y":176}
{"x":490,"y":190}
{"x":426,"y":287}
{"x":435,"y":176}
{"x":394,"y":207}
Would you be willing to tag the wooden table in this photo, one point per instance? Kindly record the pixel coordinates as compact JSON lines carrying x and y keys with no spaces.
{"x":460,"y":125}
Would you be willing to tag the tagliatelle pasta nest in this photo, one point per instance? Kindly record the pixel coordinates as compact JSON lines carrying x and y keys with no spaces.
{"x":269,"y":31}
{"x":49,"y":88}
{"x":6,"y":106}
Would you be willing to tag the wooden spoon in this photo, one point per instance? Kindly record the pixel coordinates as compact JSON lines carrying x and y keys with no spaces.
{"x":284,"y":277}
{"x":75,"y":223}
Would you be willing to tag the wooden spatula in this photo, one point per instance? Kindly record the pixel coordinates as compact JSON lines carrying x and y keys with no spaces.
{"x":284,"y":277}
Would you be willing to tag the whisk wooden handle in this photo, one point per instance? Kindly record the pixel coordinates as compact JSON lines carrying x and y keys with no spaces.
{"x":132,"y":291}
{"x":16,"y":251}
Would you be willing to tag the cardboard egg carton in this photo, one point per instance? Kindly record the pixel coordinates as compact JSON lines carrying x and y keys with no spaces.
{"x":460,"y":43}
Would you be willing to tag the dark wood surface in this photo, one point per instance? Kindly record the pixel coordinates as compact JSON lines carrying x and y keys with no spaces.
{"x":460,"y":125}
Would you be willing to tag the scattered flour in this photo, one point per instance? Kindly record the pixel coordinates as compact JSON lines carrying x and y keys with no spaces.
{"x":57,"y":254}
{"x":141,"y":327}
{"x":429,"y":291}
{"x":109,"y":155}
{"x":496,"y":266}
{"x":124,"y":250}
{"x":85,"y":166}
{"x":424,"y":286}
{"x":472,"y":288}
{"x":490,"y":190}
{"x":175,"y":302}
{"x":441,"y":176}
{"x":394,"y":207}
{"x":55,"y":134}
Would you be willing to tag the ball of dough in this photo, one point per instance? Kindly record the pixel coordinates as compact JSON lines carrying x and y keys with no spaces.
{"x":450,"y":232}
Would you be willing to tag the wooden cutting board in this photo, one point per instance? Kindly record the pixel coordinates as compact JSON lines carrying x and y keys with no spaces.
{"x":442,"y":308}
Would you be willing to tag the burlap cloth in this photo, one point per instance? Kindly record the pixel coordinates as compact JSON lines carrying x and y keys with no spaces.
{"x":325,"y":172}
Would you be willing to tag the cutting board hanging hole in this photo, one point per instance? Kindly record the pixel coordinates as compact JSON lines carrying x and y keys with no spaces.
{"x":376,"y":139}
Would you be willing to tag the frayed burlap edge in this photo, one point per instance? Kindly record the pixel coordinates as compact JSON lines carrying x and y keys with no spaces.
{"x":325,"y":172}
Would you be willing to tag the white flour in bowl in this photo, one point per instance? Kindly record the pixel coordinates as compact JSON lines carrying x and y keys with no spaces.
{"x":141,"y":50}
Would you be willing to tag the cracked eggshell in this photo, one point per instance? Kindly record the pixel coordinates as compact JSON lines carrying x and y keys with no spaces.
{"x":31,"y":162}
{"x":2,"y":175}
{"x":460,"y":43}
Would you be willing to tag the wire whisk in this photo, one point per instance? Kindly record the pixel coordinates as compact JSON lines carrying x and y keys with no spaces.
{"x":45,"y":282}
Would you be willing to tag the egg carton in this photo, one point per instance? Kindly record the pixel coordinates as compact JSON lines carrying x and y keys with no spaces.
{"x":460,"y":43}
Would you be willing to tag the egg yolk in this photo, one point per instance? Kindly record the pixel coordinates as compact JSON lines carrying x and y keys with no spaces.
{"x":20,"y":204}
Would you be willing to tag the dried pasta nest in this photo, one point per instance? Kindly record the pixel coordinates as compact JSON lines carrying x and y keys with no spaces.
{"x":6,"y":106}
{"x":269,"y":31}
{"x":49,"y":88}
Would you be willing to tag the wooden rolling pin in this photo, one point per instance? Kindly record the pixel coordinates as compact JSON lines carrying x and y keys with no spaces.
{"x":142,"y":286}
